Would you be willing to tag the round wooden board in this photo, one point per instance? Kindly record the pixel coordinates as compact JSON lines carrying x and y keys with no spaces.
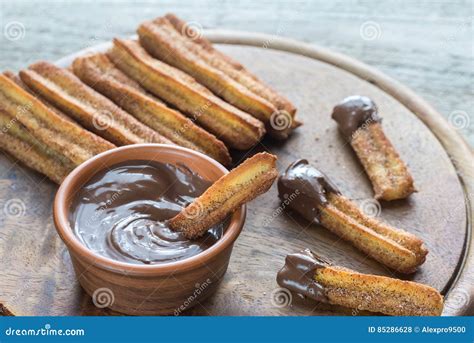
{"x":37,"y":276}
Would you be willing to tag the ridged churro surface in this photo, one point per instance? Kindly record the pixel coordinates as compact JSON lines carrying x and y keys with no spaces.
{"x":91,"y":109}
{"x":236,"y":128}
{"x":161,"y":39}
{"x":99,"y":72}
{"x":244,"y":183}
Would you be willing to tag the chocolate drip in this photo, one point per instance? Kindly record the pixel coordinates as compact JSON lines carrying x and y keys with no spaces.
{"x":303,"y":188}
{"x":122,"y":212}
{"x":297,"y":275}
{"x":353,"y":113}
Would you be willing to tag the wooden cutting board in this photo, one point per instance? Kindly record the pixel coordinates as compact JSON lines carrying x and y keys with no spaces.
{"x":36,"y":275}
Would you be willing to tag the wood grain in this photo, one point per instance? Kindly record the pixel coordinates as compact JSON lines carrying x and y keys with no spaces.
{"x":39,"y":280}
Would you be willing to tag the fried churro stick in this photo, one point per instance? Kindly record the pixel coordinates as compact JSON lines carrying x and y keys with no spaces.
{"x":241,"y":185}
{"x":311,"y":276}
{"x":161,"y":39}
{"x":318,"y":200}
{"x":16,"y":78}
{"x":63,"y":136}
{"x":236,"y":128}
{"x":100,"y":73}
{"x":92,"y":110}
{"x":19,"y":143}
{"x":359,"y":122}
{"x":230,"y":67}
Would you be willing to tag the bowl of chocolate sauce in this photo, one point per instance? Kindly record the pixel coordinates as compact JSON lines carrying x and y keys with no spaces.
{"x":112,"y":213}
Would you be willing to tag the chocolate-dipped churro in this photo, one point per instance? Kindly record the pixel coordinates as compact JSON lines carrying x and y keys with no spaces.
{"x":360,"y":124}
{"x":319,"y":201}
{"x":309,"y":275}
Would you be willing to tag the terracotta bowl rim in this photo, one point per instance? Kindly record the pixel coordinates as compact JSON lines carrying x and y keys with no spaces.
{"x":63,"y":227}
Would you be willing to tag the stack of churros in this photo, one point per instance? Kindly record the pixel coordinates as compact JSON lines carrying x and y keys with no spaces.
{"x":165,"y":39}
{"x":39,"y":137}
{"x":200,"y":99}
{"x":238,"y":129}
{"x":92,"y":110}
{"x":100,"y":73}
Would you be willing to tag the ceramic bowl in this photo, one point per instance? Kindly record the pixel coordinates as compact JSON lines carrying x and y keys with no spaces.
{"x":159,"y":289}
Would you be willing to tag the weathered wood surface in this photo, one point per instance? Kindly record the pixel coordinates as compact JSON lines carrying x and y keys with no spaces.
{"x":426,"y":45}
{"x":37,"y":277}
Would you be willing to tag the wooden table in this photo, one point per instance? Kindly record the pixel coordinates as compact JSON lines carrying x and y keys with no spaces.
{"x":37,"y":276}
{"x":304,"y":81}
{"x":425,"y":44}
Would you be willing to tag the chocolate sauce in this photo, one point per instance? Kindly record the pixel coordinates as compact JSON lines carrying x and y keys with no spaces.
{"x":353,"y":113}
{"x":303,"y":188}
{"x":122,"y":212}
{"x":297,"y":275}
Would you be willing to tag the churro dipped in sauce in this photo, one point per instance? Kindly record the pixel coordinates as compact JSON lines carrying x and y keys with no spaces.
{"x":297,"y":275}
{"x":310,"y":186}
{"x":353,"y":113}
{"x":122,"y":212}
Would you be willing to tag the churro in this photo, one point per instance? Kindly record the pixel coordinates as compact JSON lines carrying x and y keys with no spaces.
{"x":229,"y":66}
{"x":100,"y":73}
{"x":241,"y":185}
{"x":61,"y":135}
{"x":236,"y":128}
{"x":311,"y":276}
{"x":163,"y":41}
{"x":17,"y":141}
{"x":316,"y":198}
{"x":91,"y":109}
{"x":360,"y":124}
